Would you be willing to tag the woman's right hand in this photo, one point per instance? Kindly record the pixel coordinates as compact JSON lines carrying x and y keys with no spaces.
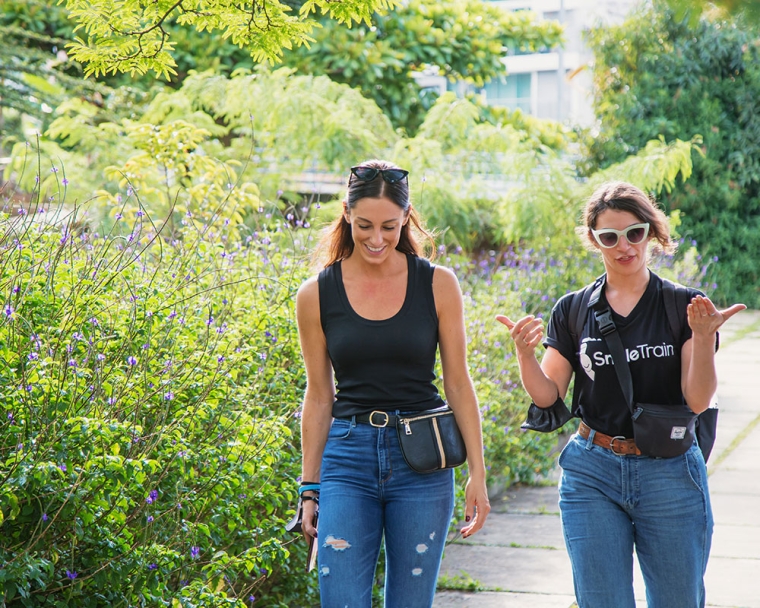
{"x":527,"y":333}
{"x":308,"y":522}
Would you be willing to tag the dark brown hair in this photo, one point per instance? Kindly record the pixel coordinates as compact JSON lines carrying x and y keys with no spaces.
{"x":337,"y":243}
{"x":621,"y":196}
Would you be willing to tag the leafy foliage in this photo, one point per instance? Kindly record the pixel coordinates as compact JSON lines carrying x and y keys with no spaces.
{"x":490,"y":186}
{"x":693,"y":9}
{"x":463,"y":40}
{"x":657,"y":77}
{"x":148,"y":413}
{"x":134,"y":37}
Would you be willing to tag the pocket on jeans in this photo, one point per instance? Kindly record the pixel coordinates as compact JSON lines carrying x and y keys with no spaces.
{"x":340,"y":429}
{"x":695,"y":469}
{"x":570,"y":445}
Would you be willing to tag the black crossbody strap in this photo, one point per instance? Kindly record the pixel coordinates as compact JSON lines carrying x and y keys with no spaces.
{"x":611,"y":336}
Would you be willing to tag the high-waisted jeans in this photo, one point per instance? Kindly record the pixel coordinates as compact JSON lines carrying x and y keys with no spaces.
{"x":611,"y":504}
{"x":367,"y":492}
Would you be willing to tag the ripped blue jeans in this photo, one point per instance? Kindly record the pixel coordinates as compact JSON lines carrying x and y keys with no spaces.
{"x":368,"y":494}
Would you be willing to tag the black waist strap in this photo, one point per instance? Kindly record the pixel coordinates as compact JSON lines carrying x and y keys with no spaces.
{"x":377,"y":418}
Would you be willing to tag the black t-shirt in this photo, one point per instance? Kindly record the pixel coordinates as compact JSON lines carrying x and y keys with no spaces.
{"x":654,"y":358}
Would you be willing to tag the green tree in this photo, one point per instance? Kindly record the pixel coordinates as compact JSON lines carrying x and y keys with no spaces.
{"x":463,"y":40}
{"x":35,"y":76}
{"x":135,"y":37}
{"x":693,"y":9}
{"x":657,"y":76}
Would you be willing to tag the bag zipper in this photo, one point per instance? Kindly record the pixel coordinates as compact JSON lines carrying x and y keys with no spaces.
{"x":406,"y":421}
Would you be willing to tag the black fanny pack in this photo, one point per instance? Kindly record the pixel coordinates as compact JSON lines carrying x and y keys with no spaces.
{"x":430,"y":440}
{"x":664,"y":431}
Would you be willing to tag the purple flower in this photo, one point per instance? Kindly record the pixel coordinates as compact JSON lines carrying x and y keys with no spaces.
{"x":132,"y":360}
{"x":8,"y":310}
{"x":152,"y":496}
{"x":33,"y":356}
{"x":65,"y":181}
{"x":194,"y":552}
{"x":62,"y":467}
{"x":44,"y":517}
{"x":168,"y":396}
{"x":54,"y":170}
{"x":150,"y":518}
{"x":71,"y":575}
{"x":152,"y":566}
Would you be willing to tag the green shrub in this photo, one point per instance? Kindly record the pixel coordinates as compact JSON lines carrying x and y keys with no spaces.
{"x":149,"y":412}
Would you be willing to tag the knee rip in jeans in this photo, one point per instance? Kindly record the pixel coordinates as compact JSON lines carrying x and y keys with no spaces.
{"x":338,"y":544}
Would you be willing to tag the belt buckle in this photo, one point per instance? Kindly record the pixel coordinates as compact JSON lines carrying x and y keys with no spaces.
{"x":612,"y":445}
{"x":384,"y":423}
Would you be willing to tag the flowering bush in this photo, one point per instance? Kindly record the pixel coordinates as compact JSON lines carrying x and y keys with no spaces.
{"x":150,"y":392}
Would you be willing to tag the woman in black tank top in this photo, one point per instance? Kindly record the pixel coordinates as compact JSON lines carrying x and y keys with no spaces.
{"x":370,"y":325}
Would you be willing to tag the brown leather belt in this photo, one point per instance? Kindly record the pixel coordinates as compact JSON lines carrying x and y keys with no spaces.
{"x":618,"y":445}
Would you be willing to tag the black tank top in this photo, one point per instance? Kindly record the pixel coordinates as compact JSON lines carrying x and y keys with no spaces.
{"x":382,"y":365}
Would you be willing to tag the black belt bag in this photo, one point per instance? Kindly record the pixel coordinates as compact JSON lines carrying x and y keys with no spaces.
{"x":430,"y":440}
{"x":664,"y":431}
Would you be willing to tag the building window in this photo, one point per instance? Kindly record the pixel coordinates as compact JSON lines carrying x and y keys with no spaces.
{"x":512,"y":92}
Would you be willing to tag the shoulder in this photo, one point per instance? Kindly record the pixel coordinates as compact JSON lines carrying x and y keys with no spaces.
{"x":682,"y":293}
{"x":572,"y":299}
{"x":308,"y":294}
{"x":444,"y":278}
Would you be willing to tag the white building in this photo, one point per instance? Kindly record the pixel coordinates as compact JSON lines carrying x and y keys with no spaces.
{"x":557,"y":84}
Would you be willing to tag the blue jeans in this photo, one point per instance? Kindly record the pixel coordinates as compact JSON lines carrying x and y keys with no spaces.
{"x":661,"y":506}
{"x":368,"y":491}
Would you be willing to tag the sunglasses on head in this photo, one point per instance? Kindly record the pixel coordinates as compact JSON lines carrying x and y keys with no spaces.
{"x":609,"y":237}
{"x":367,"y":174}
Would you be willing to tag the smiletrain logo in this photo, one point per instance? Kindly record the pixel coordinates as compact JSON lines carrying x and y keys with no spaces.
{"x":641,"y":352}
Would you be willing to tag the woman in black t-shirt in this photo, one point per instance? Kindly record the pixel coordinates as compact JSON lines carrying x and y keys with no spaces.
{"x":370,"y":326}
{"x":613,"y":499}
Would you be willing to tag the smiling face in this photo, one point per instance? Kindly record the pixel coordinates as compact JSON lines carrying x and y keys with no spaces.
{"x":375,"y":227}
{"x":624,"y":258}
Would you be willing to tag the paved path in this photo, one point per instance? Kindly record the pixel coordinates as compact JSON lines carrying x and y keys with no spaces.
{"x":519,"y":557}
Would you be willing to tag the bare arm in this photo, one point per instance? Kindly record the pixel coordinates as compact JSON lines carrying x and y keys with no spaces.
{"x":698,"y":378}
{"x":460,"y":393}
{"x":320,"y":391}
{"x":548,"y":380}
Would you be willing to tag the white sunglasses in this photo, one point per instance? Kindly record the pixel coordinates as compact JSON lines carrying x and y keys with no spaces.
{"x":609,"y":237}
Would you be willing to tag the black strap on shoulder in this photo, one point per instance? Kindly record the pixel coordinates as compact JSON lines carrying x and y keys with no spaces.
{"x":576,"y":318}
{"x":676,"y":299}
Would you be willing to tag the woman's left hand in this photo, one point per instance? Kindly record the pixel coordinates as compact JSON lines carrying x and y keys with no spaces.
{"x":477,"y":507}
{"x":705,"y":318}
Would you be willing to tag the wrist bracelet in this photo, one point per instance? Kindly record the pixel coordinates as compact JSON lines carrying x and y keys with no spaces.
{"x":312,"y":498}
{"x":313,"y":487}
{"x":309,"y":483}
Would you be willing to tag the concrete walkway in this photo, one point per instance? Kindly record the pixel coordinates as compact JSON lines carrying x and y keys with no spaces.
{"x":519,"y":560}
